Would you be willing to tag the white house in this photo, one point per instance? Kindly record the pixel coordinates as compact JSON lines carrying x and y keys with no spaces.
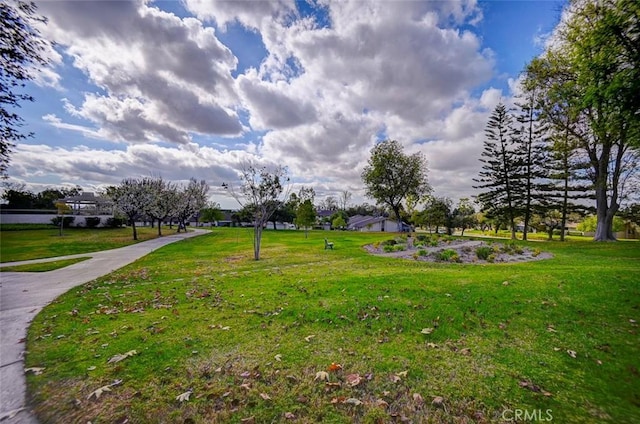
{"x":372,"y":224}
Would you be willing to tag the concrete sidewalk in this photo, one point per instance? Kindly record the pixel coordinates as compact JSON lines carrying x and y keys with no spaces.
{"x":24,"y":294}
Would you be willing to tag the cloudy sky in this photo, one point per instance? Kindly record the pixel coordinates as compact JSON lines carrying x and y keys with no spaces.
{"x":195,"y":88}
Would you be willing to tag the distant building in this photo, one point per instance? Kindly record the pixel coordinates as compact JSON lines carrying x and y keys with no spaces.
{"x":365,"y":223}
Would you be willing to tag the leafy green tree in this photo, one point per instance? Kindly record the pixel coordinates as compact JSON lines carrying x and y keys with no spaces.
{"x":305,"y":211}
{"x":501,"y":176}
{"x":437,"y":213}
{"x":211,"y":212}
{"x":390,"y":176}
{"x":464,"y":215}
{"x":259,"y":192}
{"x":592,"y":72}
{"x":306,"y":216}
{"x":338,"y":222}
{"x":23,"y":49}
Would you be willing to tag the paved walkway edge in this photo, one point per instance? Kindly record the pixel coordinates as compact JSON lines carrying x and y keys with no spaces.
{"x":22,"y":297}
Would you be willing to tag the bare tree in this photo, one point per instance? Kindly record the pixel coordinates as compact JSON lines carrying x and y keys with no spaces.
{"x":345,"y":198}
{"x":189,"y":201}
{"x":261,"y":192}
{"x":131,"y":198}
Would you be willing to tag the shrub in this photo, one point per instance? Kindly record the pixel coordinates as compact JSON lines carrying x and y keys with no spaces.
{"x":491,"y":258}
{"x":536,"y":253}
{"x":399,"y":247}
{"x":483,"y":252}
{"x":422,"y":237}
{"x":447,"y":255}
{"x":115,"y":222}
{"x":422,"y":252}
{"x":92,"y":221}
{"x":389,"y":242}
{"x":66,"y":221}
{"x":387,"y":248}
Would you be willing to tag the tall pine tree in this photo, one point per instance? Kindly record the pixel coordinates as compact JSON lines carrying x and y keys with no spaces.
{"x":532,"y":135}
{"x":501,"y":177}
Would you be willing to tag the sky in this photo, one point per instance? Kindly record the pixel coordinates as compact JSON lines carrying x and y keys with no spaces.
{"x":197,"y":88}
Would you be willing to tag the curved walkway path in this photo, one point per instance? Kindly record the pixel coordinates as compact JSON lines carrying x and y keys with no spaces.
{"x":24,"y":294}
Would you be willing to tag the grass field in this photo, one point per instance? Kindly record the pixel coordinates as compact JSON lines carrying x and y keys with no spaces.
{"x":43,"y":266}
{"x":198,"y":332}
{"x":22,"y":245}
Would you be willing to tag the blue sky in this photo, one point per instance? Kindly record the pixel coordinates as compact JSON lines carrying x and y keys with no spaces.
{"x":197,"y":88}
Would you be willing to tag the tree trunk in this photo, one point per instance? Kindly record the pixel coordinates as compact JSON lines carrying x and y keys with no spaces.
{"x":135,"y":232}
{"x":257,"y":239}
{"x":159,"y":228}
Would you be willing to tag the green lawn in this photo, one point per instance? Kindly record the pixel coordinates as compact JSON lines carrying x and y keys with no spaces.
{"x":252,"y":341}
{"x":22,"y":245}
{"x":43,"y":266}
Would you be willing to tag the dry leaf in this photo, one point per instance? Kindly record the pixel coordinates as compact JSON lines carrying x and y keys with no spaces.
{"x":91,"y":368}
{"x":308,"y":338}
{"x":184,"y":396}
{"x":339,"y":399}
{"x":432,"y":345}
{"x":119,"y":357}
{"x":248,"y":420}
{"x":289,"y":415}
{"x":402,"y":373}
{"x":98,"y":392}
{"x":417,"y":398}
{"x":353,"y":401}
{"x":330,"y":386}
{"x":265,"y":396}
{"x":427,"y":330}
{"x":322,"y":376}
{"x":353,"y":379}
{"x":438,"y":402}
{"x":466,"y":351}
{"x":382,"y":403}
{"x":278,"y":357}
{"x":35,"y":370}
{"x":334,"y":367}
{"x":572,"y":353}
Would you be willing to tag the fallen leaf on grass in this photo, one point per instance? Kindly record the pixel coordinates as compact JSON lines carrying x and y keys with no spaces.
{"x":572,"y":353}
{"x":427,"y":330}
{"x":353,"y":379}
{"x":334,"y":367}
{"x":382,"y":403}
{"x":353,"y":401}
{"x":35,"y":370}
{"x":278,"y":357}
{"x":322,"y":376}
{"x":534,"y":388}
{"x":98,"y":392}
{"x":308,"y":338}
{"x":183,"y":397}
{"x":289,"y":415}
{"x":432,"y":345}
{"x":248,"y":420}
{"x":396,"y":378}
{"x":265,"y":396}
{"x":418,"y":399}
{"x":438,"y":402}
{"x":119,"y":357}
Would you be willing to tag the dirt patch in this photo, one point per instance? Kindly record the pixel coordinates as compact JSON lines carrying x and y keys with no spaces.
{"x":437,"y":249}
